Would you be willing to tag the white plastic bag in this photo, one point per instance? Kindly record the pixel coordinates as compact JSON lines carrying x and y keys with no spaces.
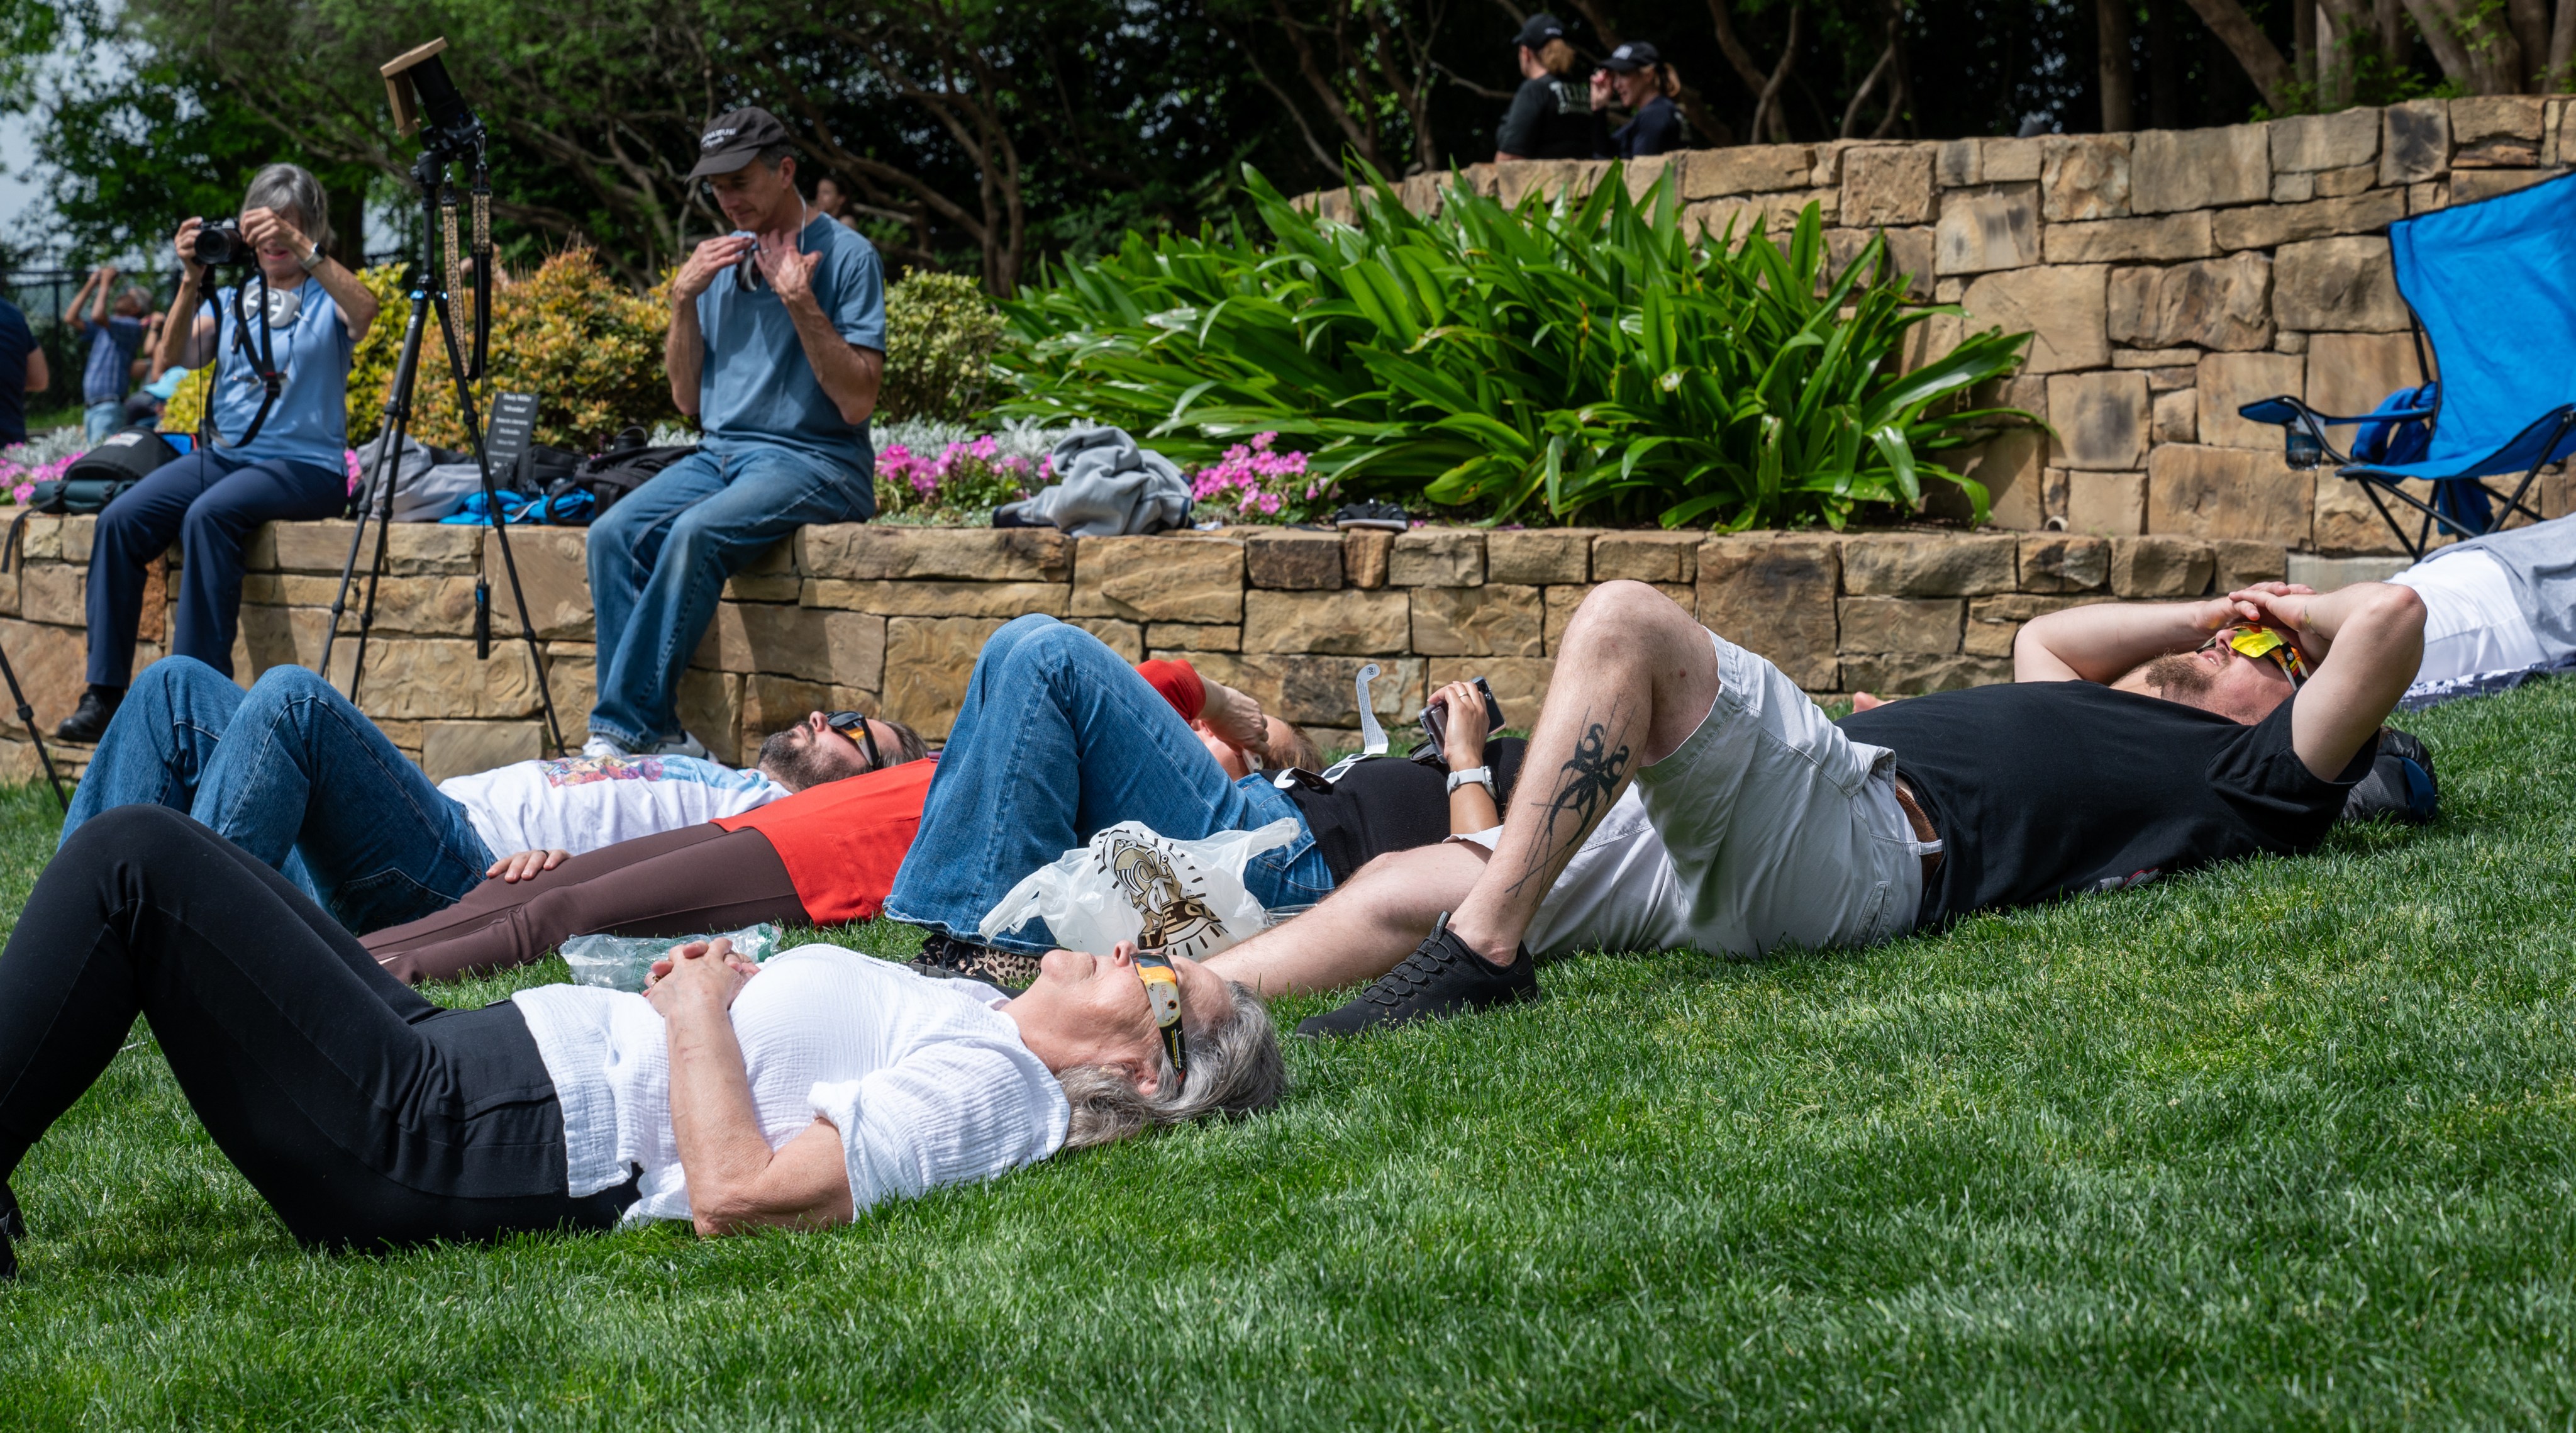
{"x":621,"y":962}
{"x":1184,"y":897}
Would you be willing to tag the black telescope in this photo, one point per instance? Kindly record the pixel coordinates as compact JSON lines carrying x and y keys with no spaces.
{"x":425,"y":101}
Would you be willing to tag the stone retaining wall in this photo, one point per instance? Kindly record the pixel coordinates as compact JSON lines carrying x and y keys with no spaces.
{"x":889,"y":619}
{"x":2169,"y":276}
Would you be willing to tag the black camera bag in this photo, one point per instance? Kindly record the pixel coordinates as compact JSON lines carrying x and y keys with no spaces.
{"x":626,"y":466}
{"x":99,"y":476}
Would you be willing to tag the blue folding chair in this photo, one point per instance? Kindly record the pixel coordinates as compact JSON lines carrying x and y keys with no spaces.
{"x":2492,"y":287}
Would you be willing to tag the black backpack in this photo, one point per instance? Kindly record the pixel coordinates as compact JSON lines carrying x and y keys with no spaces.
{"x":627,"y":465}
{"x":101,"y":475}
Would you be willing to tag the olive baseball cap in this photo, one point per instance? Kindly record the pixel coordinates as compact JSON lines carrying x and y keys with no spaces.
{"x":735,"y":139}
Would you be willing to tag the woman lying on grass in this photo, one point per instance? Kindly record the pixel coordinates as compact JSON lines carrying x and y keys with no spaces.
{"x":739,"y":1096}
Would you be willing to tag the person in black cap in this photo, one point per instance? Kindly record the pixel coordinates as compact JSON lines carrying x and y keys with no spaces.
{"x":1636,"y":79}
{"x":777,"y":346}
{"x":1551,"y":114}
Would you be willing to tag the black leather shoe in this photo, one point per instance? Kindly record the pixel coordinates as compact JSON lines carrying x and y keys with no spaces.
{"x":949,"y":958}
{"x":1441,"y":978}
{"x":88,"y":722}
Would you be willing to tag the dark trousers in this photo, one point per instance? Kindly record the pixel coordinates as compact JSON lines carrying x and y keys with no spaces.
{"x":698,"y":878}
{"x":211,"y":502}
{"x":360,"y":1111}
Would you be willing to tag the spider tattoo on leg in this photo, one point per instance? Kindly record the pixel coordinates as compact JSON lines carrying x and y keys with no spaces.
{"x":1588,"y":779}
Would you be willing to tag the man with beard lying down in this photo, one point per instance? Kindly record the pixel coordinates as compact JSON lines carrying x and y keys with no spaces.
{"x":820,"y":857}
{"x":1696,"y":797}
{"x":297,"y":776}
{"x":795,"y":1094}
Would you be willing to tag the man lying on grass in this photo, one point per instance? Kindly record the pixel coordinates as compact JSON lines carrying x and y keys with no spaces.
{"x":300,"y":778}
{"x":795,"y":1094}
{"x":2135,"y":741}
{"x":823,"y":856}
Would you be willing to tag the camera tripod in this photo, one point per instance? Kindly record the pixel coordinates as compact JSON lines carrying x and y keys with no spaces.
{"x":434,"y":279}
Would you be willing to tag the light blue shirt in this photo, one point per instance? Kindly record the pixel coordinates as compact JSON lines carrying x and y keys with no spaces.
{"x":756,"y":385}
{"x":310,"y":423}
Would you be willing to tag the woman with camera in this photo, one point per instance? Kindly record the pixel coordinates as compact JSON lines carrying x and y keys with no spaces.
{"x":272,"y":450}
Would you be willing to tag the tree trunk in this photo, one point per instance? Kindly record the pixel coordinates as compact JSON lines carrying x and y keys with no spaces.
{"x":2530,"y":22}
{"x":2303,"y":41}
{"x":2562,"y":52}
{"x":2254,"y":51}
{"x":2119,"y":72}
{"x":2164,"y":79}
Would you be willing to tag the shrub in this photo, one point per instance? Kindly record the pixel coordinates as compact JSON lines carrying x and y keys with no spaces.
{"x":940,"y":336}
{"x":1254,"y":483}
{"x":1582,"y":358}
{"x":588,"y":347}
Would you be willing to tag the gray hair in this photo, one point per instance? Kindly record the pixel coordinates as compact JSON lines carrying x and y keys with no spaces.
{"x":292,"y":188}
{"x":1235,"y":1069}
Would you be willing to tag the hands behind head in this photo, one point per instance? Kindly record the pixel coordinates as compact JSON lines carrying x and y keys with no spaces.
{"x":1464,"y":745}
{"x":700,"y":970}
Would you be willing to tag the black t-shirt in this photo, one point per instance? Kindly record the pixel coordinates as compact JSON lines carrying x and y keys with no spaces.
{"x":1390,"y":804}
{"x":2038,"y":789}
{"x":1550,"y":118}
{"x":1657,"y":129}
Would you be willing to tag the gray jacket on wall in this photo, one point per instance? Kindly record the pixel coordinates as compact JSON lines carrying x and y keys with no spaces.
{"x":1106,"y":486}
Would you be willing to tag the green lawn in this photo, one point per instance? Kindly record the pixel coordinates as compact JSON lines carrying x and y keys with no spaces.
{"x":2284,"y":1144}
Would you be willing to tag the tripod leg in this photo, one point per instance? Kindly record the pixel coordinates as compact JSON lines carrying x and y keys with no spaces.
{"x":388,"y":463}
{"x":500,"y":529}
{"x":27,"y":714}
{"x":367,"y":612}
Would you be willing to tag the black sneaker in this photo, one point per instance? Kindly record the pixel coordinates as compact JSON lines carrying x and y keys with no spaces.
{"x":1375,"y":514}
{"x":948,"y":958}
{"x":1442,"y":977}
{"x":88,"y":722}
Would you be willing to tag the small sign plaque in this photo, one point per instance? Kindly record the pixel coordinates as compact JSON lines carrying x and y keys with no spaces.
{"x":512,"y":429}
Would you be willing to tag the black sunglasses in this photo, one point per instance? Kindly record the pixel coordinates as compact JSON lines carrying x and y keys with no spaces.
{"x":848,"y":722}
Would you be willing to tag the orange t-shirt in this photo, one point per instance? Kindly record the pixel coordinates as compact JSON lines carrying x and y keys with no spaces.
{"x":843,"y":841}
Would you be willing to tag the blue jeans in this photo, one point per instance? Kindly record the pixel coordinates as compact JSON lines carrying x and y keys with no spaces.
{"x":296,"y":776}
{"x":210,"y":501}
{"x":102,"y":418}
{"x":1058,"y":740}
{"x":659,"y":560}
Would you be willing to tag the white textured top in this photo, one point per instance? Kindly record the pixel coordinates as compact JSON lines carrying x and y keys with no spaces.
{"x":581,"y":803}
{"x":926,"y":1083}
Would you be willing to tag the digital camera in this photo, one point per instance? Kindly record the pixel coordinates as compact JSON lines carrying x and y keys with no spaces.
{"x":220,"y":244}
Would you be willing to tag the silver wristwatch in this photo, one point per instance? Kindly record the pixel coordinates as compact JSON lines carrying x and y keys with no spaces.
{"x":312,"y":259}
{"x":1481,"y":775}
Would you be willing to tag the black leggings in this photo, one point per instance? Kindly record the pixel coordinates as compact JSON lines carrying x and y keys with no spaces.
{"x":363,"y":1113}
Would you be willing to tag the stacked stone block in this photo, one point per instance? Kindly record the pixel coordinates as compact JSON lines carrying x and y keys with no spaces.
{"x":2167,"y":278}
{"x":889,"y":619}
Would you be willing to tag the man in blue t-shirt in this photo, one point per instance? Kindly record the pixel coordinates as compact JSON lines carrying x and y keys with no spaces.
{"x":777,"y":346}
{"x":22,"y":371}
{"x":107,"y":369}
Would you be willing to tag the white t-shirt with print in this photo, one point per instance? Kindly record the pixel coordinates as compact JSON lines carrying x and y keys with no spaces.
{"x":582,"y":803}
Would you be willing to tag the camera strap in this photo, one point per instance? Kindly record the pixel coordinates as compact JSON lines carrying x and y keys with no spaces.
{"x":262,"y":359}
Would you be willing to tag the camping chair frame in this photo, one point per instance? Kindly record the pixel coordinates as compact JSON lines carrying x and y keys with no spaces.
{"x":2306,"y":445}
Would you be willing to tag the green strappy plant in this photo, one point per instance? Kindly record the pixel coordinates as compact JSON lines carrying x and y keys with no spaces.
{"x":1575,"y":359}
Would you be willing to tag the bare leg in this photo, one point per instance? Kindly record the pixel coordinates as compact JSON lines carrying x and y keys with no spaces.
{"x":1359,"y":932}
{"x":1636,"y":676}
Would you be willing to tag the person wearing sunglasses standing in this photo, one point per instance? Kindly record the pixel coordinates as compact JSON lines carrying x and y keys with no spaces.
{"x":776,"y":348}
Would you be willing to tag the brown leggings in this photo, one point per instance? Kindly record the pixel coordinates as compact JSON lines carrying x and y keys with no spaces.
{"x":698,"y":878}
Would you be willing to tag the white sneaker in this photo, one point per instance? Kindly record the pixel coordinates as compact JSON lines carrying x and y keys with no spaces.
{"x":599,"y":746}
{"x":681,"y":745}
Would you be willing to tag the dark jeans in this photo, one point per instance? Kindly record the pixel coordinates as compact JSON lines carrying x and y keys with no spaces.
{"x":361,"y":1112}
{"x":210,"y":502}
{"x":698,"y":878}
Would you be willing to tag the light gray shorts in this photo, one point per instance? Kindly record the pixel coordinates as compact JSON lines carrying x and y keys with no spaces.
{"x":1782,"y":831}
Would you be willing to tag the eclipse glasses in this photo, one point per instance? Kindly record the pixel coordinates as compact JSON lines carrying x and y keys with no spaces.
{"x":1163,"y":995}
{"x":2264,"y":642}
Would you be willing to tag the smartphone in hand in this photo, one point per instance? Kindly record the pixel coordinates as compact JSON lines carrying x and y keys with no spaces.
{"x":1435,"y":720}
